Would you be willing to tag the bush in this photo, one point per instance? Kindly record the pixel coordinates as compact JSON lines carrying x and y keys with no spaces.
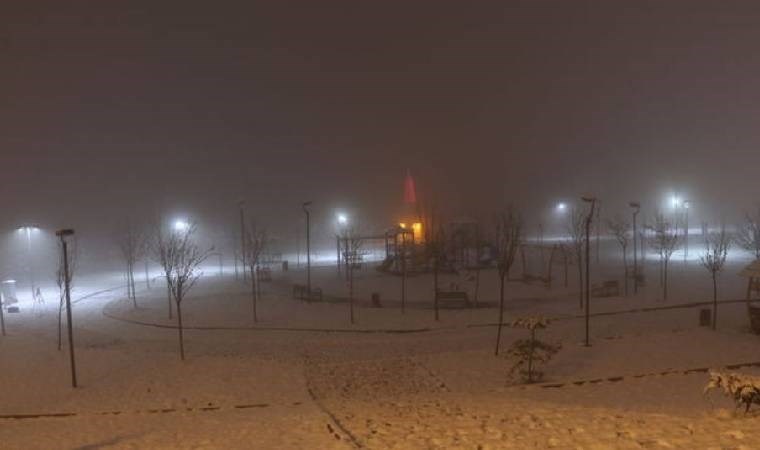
{"x":530,"y":353}
{"x":743,"y":389}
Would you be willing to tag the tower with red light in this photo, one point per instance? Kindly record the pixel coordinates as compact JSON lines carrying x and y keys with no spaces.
{"x":411,"y":217}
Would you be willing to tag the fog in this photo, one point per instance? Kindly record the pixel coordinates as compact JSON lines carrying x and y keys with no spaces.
{"x":128,"y":110}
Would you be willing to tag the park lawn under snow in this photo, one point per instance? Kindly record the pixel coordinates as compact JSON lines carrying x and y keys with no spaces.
{"x":279,"y":384}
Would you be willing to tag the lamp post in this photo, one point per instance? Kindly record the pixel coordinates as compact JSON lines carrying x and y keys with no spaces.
{"x":342,"y":222}
{"x":589,"y":219}
{"x":308,"y":249}
{"x":686,"y":204}
{"x":62,"y":234}
{"x":636,"y":207}
{"x":241,"y":205}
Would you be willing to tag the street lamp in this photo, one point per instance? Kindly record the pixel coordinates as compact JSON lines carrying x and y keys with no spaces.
{"x":181,"y":226}
{"x":308,"y":249}
{"x":561,"y":207}
{"x":636,"y":207}
{"x":241,"y":205}
{"x":342,"y":223}
{"x":28,"y":230}
{"x":63,"y":234}
{"x":686,"y":204}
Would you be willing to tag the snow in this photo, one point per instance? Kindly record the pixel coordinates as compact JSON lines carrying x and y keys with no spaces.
{"x":303,"y":377}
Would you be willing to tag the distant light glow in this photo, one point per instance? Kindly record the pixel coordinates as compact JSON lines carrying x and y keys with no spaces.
{"x":561,"y":207}
{"x":181,"y":225}
{"x":342,"y":219}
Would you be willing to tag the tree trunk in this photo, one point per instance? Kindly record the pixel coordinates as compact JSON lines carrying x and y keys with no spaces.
{"x":134,"y":287}
{"x":132,"y":283}
{"x":435,"y":286}
{"x":254,"y":294}
{"x":567,"y":278}
{"x":501,"y":311}
{"x":715,"y":302}
{"x":530,"y":356}
{"x":351,"y":289}
{"x":665,"y":279}
{"x":625,"y":269}
{"x":169,"y":296}
{"x":181,"y":337}
{"x":580,"y":280}
{"x":60,"y":318}
{"x":403,"y":280}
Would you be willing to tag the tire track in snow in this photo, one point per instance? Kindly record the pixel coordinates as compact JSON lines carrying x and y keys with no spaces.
{"x":343,"y":428}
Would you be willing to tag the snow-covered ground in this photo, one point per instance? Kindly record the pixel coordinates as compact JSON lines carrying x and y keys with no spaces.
{"x":304,"y":377}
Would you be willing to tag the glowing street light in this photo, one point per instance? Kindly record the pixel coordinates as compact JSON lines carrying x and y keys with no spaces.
{"x":181,"y":226}
{"x":28,"y":230}
{"x":342,"y":219}
{"x":561,"y":207}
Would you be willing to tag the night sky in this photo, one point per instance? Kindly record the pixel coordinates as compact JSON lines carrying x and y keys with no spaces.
{"x":111,"y":109}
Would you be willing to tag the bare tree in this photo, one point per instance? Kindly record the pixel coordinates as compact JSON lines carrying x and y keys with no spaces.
{"x":352,"y":245}
{"x":180,"y":258}
{"x":508,"y":241}
{"x":576,"y":228}
{"x":714,"y":259}
{"x":664,"y":242}
{"x":620,"y":229}
{"x":131,"y":244}
{"x":60,"y":281}
{"x":158,"y":251}
{"x":255,"y":240}
{"x":748,"y":234}
{"x":404,"y":252}
{"x":435,"y":242}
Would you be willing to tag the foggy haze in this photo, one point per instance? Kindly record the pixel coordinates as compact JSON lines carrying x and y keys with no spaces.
{"x":128,"y":109}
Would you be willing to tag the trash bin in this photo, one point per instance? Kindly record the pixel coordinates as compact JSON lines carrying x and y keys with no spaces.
{"x":8,"y":292}
{"x":284,"y":266}
{"x":705,"y":317}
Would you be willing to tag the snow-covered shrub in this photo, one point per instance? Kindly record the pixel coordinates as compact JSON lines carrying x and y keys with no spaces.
{"x":743,"y":389}
{"x":529,"y":353}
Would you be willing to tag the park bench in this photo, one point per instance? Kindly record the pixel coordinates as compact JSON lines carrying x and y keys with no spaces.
{"x":607,"y":289}
{"x":530,"y":279}
{"x":315,"y":295}
{"x":300,"y":292}
{"x":754,"y":317}
{"x":452,"y":299}
{"x":264,"y":274}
